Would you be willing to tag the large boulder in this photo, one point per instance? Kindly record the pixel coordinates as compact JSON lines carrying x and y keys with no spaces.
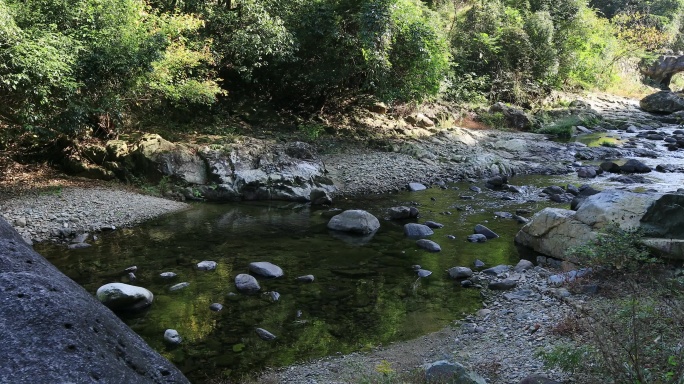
{"x":124,"y":297}
{"x":554,"y":231}
{"x":354,"y":221}
{"x":53,"y":331}
{"x":663,"y":102}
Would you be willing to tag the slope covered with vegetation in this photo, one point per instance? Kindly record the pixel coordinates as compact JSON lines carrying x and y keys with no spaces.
{"x":75,"y":66}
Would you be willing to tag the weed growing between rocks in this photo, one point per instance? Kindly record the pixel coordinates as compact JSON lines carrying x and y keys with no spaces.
{"x":634,"y":331}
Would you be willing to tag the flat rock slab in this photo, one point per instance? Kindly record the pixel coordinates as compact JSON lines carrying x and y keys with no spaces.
{"x":416,"y":187}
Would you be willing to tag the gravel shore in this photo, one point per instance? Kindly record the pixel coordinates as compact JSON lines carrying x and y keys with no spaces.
{"x":68,"y":211}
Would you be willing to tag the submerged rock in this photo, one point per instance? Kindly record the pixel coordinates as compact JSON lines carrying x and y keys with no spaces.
{"x":266,"y":269}
{"x":416,"y":231}
{"x":305,"y":278}
{"x":124,"y":297}
{"x":402,"y":212}
{"x":179,"y":286}
{"x":482,"y":230}
{"x":460,"y":272}
{"x":246,"y":283}
{"x":354,"y":221}
{"x":172,"y":337}
{"x":265,"y":335}
{"x":206,"y":265}
{"x":428,"y":245}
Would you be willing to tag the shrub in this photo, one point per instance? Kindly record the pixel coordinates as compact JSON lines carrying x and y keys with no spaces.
{"x":614,"y":250}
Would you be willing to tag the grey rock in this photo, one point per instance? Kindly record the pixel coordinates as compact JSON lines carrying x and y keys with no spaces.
{"x":634,"y":166}
{"x":477,"y":238}
{"x":416,"y":231}
{"x":266,"y":269}
{"x":179,"y":286}
{"x":523,"y":265}
{"x":320,"y":196}
{"x":662,"y":102}
{"x":553,"y":190}
{"x":428,"y":245}
{"x":265,"y":335}
{"x":246,"y":283}
{"x":504,"y":215}
{"x":81,"y":238}
{"x":434,"y":225}
{"x":415,"y":187}
{"x":522,"y":295}
{"x":444,"y":371}
{"x":124,"y":297}
{"x":460,"y":272}
{"x":354,"y":221}
{"x":498,"y":270}
{"x":133,"y":268}
{"x":216,"y":307}
{"x":206,"y":265}
{"x":172,"y":337}
{"x":402,"y":212}
{"x":273,"y":296}
{"x":467,"y":283}
{"x":79,"y":246}
{"x":167,"y":275}
{"x":586,"y":172}
{"x":482,"y":230}
{"x":609,"y":166}
{"x":423,"y":273}
{"x":479,"y":263}
{"x":74,"y":337}
{"x":503,"y":285}
{"x":305,"y":279}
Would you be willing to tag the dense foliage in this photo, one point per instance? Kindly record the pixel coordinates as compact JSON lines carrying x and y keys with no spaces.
{"x":77,"y":64}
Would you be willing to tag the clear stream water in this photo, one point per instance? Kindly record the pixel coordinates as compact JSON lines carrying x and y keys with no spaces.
{"x":362,"y":296}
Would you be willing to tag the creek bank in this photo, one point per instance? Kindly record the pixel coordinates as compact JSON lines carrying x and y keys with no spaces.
{"x":498,"y":342}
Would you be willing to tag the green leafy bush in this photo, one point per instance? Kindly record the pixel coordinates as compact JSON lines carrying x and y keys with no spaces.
{"x":614,"y":249}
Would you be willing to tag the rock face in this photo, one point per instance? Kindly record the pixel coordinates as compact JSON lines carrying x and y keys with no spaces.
{"x":663,"y":68}
{"x":553,"y":231}
{"x":250,"y":170}
{"x":124,"y":297}
{"x":662,"y":102}
{"x":56,"y":331}
{"x":354,"y":221}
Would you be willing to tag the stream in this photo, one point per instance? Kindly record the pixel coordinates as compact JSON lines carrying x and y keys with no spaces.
{"x":364,"y":294}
